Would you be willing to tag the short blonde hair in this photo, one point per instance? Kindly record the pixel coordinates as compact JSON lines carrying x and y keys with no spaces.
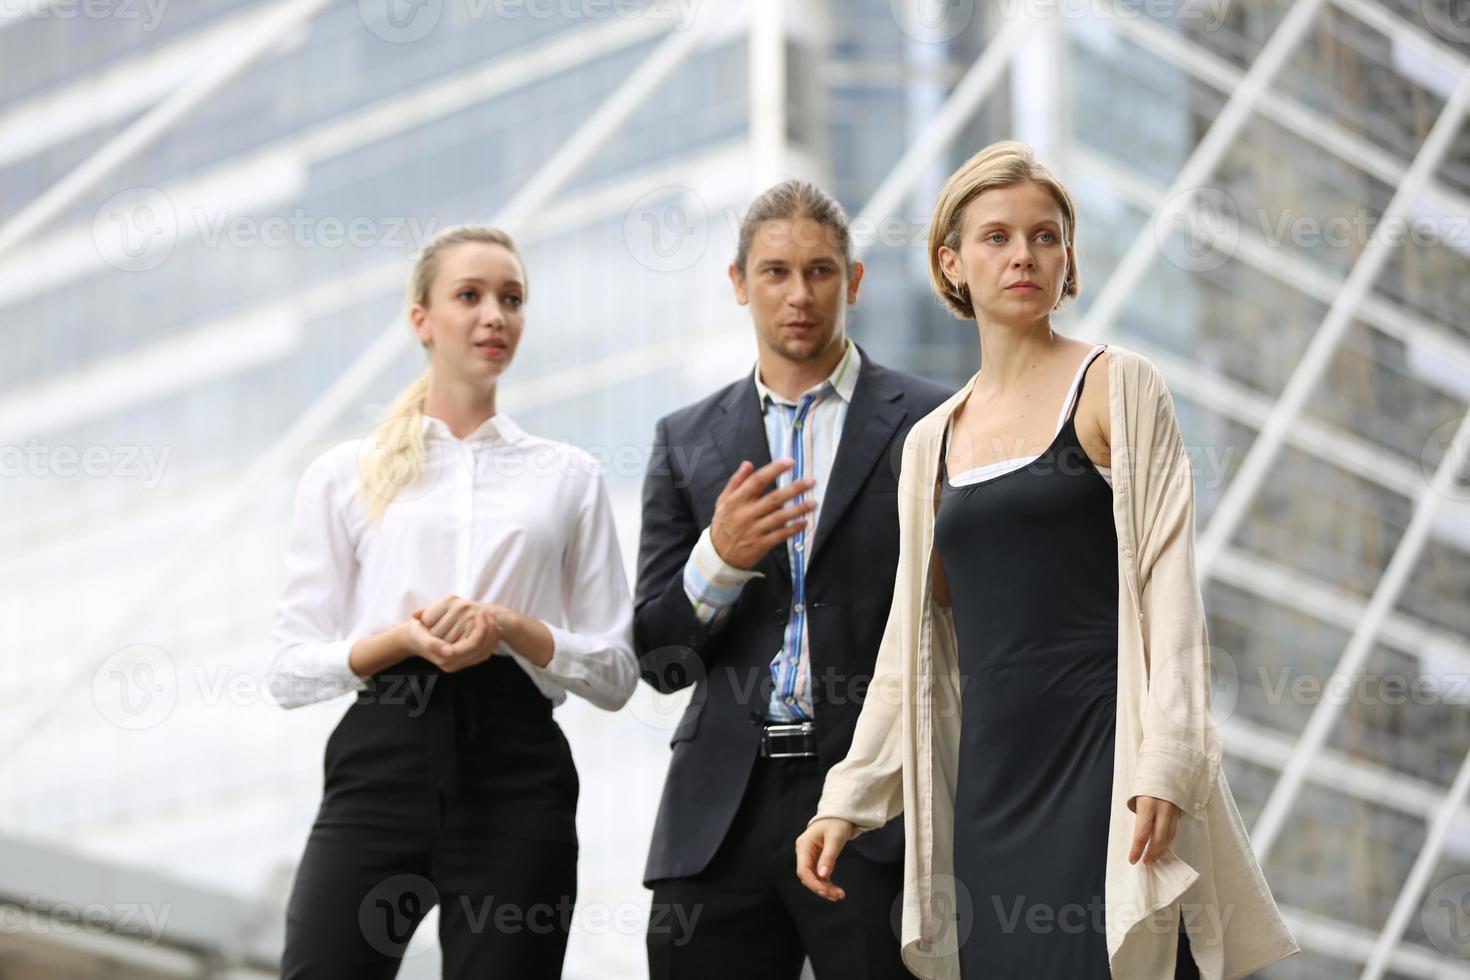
{"x":1001,"y":164}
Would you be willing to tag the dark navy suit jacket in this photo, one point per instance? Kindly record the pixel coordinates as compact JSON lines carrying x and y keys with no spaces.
{"x":849,"y":588}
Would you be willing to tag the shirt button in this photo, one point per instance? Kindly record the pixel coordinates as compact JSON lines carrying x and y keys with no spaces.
{"x":799,"y":608}
{"x":1128,"y":552}
{"x":790,"y":700}
{"x":800,"y":546}
{"x":796,"y":424}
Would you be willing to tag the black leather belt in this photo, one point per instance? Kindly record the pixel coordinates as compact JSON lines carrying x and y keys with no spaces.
{"x":780,"y":740}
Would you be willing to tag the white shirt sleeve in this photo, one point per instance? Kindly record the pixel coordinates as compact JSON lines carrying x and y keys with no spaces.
{"x":309,"y":635}
{"x":711,"y":583}
{"x":593,"y":653}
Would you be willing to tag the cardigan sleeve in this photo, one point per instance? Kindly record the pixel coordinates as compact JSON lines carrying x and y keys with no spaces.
{"x":866,"y":787}
{"x":1179,"y":754}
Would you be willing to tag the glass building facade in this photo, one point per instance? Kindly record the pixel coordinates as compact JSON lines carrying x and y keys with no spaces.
{"x":186,"y":330}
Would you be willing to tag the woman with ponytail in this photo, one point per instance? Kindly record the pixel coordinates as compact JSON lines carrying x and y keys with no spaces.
{"x":461,"y":576}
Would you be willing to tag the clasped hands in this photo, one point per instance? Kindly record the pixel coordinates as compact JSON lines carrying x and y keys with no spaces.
{"x":455,"y":633}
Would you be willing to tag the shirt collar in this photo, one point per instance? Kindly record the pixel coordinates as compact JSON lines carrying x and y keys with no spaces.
{"x":497,"y":427}
{"x":843,"y":378}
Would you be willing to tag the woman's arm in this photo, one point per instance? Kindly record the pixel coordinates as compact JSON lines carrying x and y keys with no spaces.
{"x":1179,"y":756}
{"x":866,"y":787}
{"x":313,"y":660}
{"x":592,"y":656}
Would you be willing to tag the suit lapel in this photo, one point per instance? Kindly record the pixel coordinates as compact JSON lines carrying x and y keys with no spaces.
{"x":872,"y":418}
{"x":740,"y":434}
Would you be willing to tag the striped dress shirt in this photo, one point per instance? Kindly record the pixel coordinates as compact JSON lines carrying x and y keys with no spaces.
{"x":808,"y":432}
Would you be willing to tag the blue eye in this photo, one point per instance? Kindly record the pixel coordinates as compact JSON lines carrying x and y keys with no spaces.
{"x":465,"y":292}
{"x":995,"y":234}
{"x":1050,"y":237}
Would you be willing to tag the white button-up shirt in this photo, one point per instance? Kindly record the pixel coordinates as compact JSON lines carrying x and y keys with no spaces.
{"x":498,"y":517}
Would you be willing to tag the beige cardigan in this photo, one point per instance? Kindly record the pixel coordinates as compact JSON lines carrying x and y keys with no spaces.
{"x":904,"y":750}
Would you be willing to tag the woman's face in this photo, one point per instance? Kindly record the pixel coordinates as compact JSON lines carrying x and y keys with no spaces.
{"x":1010,"y":236}
{"x":476,"y":312}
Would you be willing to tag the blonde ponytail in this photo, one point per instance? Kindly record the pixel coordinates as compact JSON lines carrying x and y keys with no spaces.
{"x":395,"y":459}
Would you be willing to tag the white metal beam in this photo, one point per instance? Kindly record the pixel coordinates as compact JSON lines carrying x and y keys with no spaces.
{"x":157,"y":121}
{"x":1099,"y":321}
{"x":1382,"y":18}
{"x":1409,"y":895}
{"x":279,"y":167}
{"x":112,"y":93}
{"x":1340,"y":941}
{"x":767,"y":92}
{"x":347,"y":388}
{"x":945,"y":125}
{"x":1319,"y":726}
{"x":635,"y":90}
{"x":1315,"y":359}
{"x":1206,"y":66}
{"x":1311,"y":436}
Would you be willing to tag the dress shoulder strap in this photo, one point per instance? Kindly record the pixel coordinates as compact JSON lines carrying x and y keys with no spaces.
{"x":1074,"y":397}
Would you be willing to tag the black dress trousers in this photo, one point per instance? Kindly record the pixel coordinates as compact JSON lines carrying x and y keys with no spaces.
{"x":450,"y":789}
{"x":747,"y":916}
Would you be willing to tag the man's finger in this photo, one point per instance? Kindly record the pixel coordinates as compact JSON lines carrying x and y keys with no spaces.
{"x":736,"y":478}
{"x":778,"y":519}
{"x":763,"y":478}
{"x":792,"y":490}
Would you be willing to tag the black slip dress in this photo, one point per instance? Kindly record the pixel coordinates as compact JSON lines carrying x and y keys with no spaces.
{"x":1031,"y":560}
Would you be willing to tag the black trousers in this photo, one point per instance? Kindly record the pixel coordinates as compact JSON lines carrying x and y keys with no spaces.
{"x":747,"y":916}
{"x":456,"y":790}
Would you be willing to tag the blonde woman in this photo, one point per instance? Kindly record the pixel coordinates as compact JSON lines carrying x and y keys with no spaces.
{"x":462,"y":576}
{"x":1040,"y":708}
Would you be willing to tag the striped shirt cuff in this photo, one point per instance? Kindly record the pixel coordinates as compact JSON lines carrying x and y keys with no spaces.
{"x":711,"y":583}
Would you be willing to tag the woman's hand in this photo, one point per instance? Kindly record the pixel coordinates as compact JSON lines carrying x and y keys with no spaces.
{"x":816,"y":855}
{"x":1155,"y":823}
{"x":454,"y":633}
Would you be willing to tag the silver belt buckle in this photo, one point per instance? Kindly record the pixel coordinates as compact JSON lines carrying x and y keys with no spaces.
{"x":793,"y":729}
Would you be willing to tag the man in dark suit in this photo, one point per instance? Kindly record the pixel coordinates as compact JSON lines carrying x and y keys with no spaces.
{"x":771,"y":603}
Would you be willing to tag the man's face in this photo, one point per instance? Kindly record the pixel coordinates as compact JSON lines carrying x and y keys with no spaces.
{"x":796,"y":284}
